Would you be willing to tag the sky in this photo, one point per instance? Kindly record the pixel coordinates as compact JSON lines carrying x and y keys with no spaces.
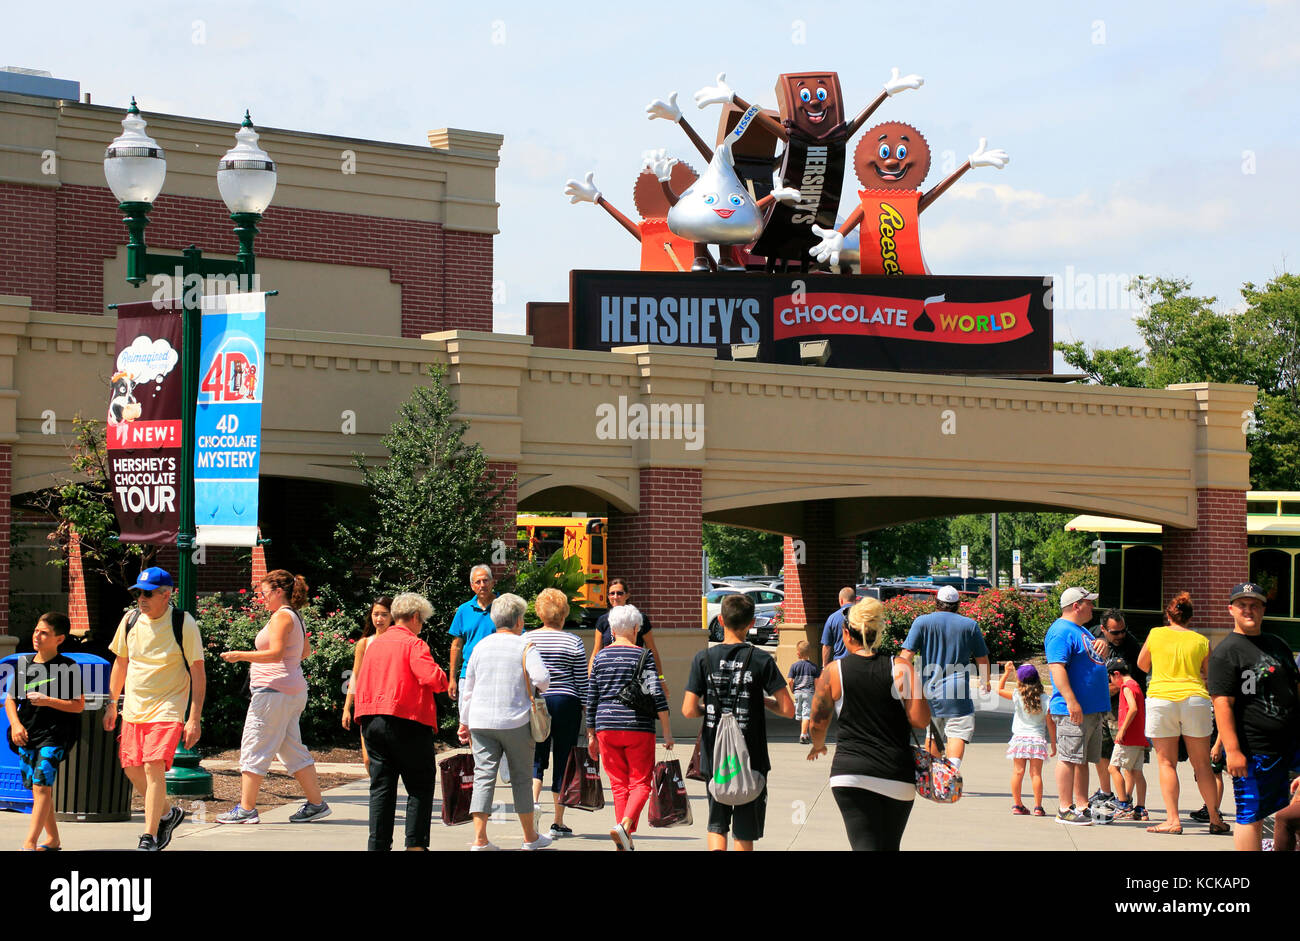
{"x":1153,"y":138}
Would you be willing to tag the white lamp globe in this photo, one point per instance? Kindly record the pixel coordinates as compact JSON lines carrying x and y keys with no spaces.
{"x":246,"y":174}
{"x":134,"y":164}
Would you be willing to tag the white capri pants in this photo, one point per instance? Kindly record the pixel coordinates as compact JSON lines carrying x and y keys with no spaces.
{"x":270,"y":729}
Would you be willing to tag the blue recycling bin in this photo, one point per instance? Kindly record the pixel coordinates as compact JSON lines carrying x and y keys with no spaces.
{"x":91,"y":784}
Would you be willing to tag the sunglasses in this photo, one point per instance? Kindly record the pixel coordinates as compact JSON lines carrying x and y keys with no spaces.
{"x":144,"y":592}
{"x":1122,"y":630}
{"x":617,"y":594}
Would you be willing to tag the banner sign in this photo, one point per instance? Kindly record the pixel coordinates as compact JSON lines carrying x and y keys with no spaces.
{"x":228,"y":419}
{"x":920,"y":323}
{"x":143,"y":433}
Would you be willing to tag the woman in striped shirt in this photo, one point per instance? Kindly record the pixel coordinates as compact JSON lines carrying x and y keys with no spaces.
{"x":622,"y":737}
{"x":566,"y":660}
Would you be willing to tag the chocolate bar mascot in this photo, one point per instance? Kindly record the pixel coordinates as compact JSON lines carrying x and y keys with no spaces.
{"x":891,"y":161}
{"x":660,"y":249}
{"x":813,"y":126}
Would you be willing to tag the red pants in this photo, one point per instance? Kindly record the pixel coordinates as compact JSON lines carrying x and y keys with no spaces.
{"x":629,"y":760}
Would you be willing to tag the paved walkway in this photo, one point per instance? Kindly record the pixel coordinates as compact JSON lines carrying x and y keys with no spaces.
{"x":801,"y":815}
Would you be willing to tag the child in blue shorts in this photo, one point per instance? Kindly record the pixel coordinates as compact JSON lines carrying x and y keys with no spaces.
{"x":802,"y":680}
{"x":44,"y":703}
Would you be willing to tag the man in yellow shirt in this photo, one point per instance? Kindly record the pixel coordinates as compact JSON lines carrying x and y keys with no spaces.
{"x":160,"y":677}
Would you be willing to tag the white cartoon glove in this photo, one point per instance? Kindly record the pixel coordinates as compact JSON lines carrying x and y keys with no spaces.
{"x":584,"y":192}
{"x":659,"y":163}
{"x":828,"y":249}
{"x":667,"y":110}
{"x":894,"y":84}
{"x":715,"y":94}
{"x":786,"y":194}
{"x":988,"y":158}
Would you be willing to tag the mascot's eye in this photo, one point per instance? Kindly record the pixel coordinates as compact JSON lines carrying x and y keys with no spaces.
{"x":821,"y":94}
{"x":805,"y":95}
{"x":710,"y":199}
{"x":902,"y":151}
{"x":884,"y":151}
{"x":736,"y":200}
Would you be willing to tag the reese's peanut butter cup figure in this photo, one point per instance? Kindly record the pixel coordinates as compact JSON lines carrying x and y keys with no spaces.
{"x":891,"y":161}
{"x":661,"y":250}
{"x":811,"y":123}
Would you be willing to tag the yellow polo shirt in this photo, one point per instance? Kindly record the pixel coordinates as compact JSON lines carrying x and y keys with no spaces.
{"x":157,"y":684}
{"x":1176,"y":658}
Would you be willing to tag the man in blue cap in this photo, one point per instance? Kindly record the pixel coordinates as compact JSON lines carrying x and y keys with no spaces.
{"x":160,"y":666}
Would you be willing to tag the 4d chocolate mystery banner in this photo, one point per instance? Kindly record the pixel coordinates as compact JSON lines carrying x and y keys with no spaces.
{"x":922,"y":323}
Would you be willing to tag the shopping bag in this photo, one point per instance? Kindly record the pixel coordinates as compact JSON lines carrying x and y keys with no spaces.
{"x":693,"y":769}
{"x":457,"y":788}
{"x":669,"y":804}
{"x":581,"y":787}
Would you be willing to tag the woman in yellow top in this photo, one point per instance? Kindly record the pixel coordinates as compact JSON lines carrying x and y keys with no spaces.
{"x":1178,"y":704}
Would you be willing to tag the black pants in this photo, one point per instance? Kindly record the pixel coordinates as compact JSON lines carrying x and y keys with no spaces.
{"x":566,"y":719}
{"x":874,"y":822}
{"x":399,"y":748}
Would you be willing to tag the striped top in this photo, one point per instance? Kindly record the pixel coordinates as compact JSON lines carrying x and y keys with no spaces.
{"x":566,"y":659}
{"x":610,"y":672}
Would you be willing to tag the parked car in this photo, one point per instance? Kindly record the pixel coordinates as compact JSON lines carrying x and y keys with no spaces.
{"x":766,"y":601}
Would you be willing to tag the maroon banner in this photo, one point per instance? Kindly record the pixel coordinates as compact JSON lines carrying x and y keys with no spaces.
{"x":144,"y":422}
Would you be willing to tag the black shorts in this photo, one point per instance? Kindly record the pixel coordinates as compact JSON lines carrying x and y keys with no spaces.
{"x":745,"y":822}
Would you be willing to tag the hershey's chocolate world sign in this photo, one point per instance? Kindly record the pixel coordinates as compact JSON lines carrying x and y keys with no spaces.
{"x":920,"y":323}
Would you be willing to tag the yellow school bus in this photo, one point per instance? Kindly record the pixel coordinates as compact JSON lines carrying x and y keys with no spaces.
{"x":583,"y":536}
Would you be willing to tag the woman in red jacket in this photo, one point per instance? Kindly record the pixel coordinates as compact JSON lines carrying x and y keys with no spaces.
{"x":395,"y":708}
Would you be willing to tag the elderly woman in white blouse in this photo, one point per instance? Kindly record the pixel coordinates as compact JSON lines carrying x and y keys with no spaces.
{"x":494,"y":715}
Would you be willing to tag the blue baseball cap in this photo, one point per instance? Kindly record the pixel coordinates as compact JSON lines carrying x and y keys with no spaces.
{"x":153,"y":578}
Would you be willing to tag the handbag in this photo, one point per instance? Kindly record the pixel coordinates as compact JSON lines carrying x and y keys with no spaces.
{"x":457,"y":788}
{"x":669,"y":804}
{"x":693,"y":768}
{"x":936,"y":779}
{"x":539,"y":717}
{"x":634,"y":695}
{"x":581,"y":787}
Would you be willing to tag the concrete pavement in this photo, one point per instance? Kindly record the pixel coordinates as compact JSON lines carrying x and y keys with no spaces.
{"x":801,"y":815}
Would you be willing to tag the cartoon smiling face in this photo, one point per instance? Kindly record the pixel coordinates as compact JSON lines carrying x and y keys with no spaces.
{"x":892,"y":156}
{"x":716,"y":207}
{"x":811,"y":103}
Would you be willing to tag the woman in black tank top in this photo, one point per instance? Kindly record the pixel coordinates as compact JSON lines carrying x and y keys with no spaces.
{"x":872,"y":773}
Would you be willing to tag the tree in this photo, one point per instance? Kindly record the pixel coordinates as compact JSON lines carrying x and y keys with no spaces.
{"x":906,"y":549}
{"x":1046,"y":549}
{"x":736,"y":551}
{"x":429,"y":510}
{"x":1187,"y":340}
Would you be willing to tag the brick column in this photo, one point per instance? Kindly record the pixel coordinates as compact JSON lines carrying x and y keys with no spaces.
{"x":6,"y":477}
{"x":1208,"y":560}
{"x":259,"y":564}
{"x":817,"y":565}
{"x":505,"y":523}
{"x":659,"y":549}
{"x":83,"y":603}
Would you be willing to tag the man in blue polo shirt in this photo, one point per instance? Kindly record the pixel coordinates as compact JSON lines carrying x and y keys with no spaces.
{"x":833,"y":632}
{"x":471,"y":624}
{"x":1080,"y":701}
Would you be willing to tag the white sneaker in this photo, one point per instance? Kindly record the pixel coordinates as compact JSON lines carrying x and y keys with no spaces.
{"x":540,"y":843}
{"x":485,"y":848}
{"x":622,"y":839}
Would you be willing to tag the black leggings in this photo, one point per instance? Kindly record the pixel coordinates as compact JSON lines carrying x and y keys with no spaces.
{"x":874,"y":822}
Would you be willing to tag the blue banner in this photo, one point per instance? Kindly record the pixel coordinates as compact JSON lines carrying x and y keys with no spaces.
{"x":228,"y":419}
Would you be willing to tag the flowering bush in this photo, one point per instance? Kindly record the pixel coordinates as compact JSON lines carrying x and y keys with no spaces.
{"x":1012,"y":622}
{"x":231,"y":622}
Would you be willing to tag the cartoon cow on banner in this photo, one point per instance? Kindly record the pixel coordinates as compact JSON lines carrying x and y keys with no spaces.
{"x":122,"y":405}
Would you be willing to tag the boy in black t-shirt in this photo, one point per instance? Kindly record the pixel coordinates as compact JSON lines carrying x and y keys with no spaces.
{"x":803,"y":680}
{"x":1255,"y":686}
{"x":736,"y":667}
{"x":44,"y":703}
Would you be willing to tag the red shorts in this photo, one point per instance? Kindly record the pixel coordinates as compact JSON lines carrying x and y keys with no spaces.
{"x":146,"y":742}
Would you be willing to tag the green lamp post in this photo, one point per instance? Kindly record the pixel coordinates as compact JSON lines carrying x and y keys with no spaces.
{"x":135,"y":167}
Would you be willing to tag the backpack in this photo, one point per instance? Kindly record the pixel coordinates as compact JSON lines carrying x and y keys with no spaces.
{"x":178,"y":628}
{"x":734,"y":780}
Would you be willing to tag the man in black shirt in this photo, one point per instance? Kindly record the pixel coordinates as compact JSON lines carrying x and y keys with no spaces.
{"x":1255,"y":686}
{"x":44,"y":703}
{"x":735,"y":677}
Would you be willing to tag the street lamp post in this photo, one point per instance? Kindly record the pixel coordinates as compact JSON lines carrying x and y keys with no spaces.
{"x":135,"y":167}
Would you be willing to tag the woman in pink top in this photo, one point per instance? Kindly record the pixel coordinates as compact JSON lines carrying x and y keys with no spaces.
{"x":279,"y":696}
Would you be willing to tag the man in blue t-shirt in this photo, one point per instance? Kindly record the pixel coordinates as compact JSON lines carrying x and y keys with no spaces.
{"x":1080,"y":701}
{"x":946,"y":642}
{"x":833,"y":632}
{"x":473,"y":622}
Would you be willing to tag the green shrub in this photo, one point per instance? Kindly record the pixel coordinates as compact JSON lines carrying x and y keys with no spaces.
{"x":1086,"y":576}
{"x":231,"y":622}
{"x":1012,"y":623}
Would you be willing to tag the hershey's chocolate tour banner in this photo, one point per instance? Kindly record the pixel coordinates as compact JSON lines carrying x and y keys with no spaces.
{"x":922,"y":323}
{"x":144,"y":422}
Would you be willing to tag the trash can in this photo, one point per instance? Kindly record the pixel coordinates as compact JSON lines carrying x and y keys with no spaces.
{"x":91,"y":786}
{"x":13,"y":796}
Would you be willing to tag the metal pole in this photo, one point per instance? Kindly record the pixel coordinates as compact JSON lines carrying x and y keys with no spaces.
{"x":993,"y":568}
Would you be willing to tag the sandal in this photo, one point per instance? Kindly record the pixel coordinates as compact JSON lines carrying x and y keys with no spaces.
{"x":1220,"y":828}
{"x":1020,"y":810}
{"x":1166,"y":827}
{"x":1038,"y":811}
